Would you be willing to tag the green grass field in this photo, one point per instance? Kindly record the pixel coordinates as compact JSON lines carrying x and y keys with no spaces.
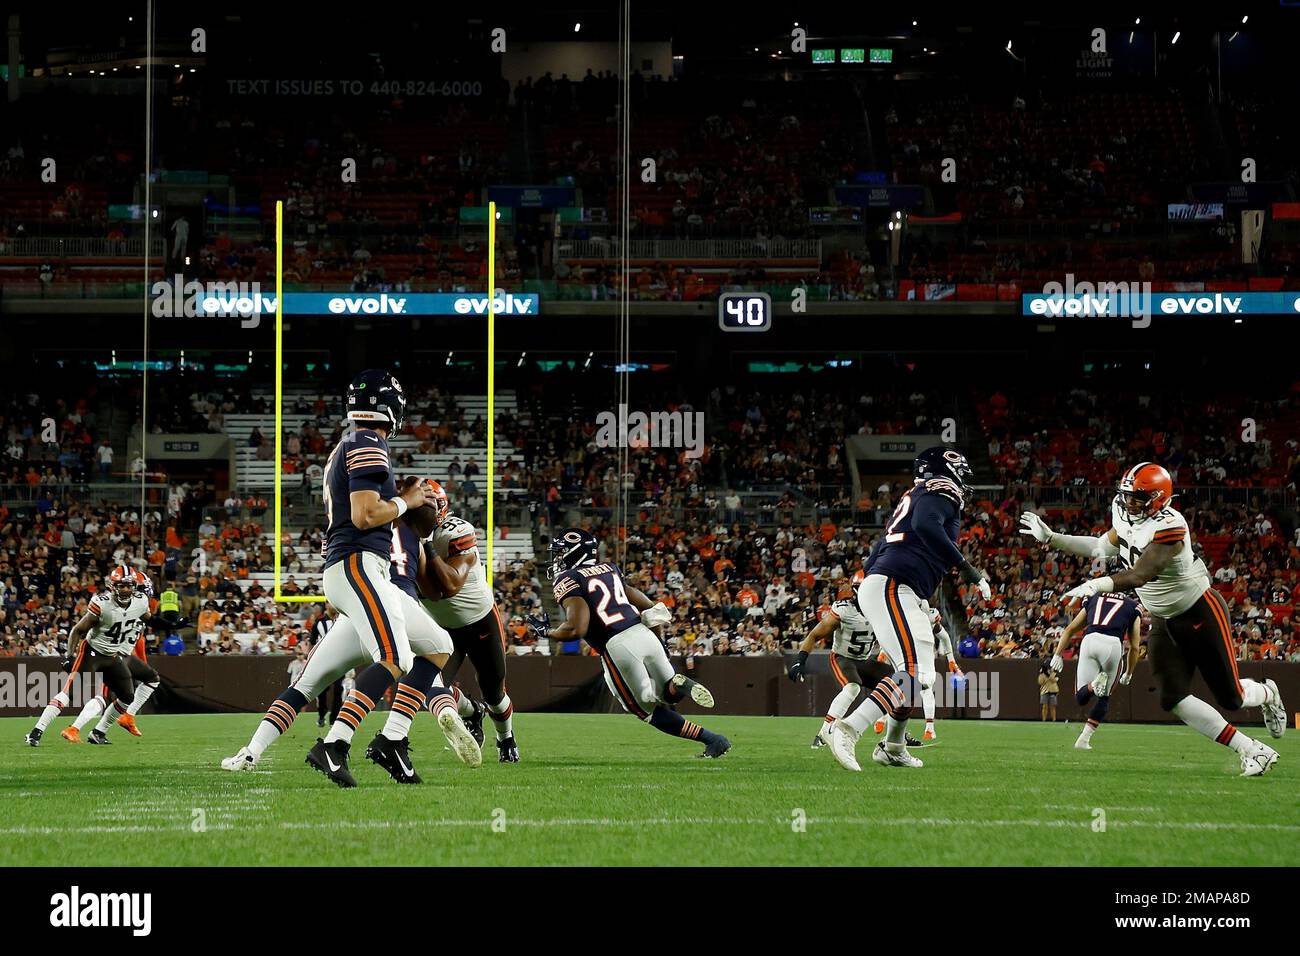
{"x":598,"y":789}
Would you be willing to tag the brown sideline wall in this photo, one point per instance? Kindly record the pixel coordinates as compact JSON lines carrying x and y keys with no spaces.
{"x":746,"y":685}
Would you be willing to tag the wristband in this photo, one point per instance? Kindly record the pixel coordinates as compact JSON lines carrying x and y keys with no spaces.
{"x":803,"y":657}
{"x":401,"y":505}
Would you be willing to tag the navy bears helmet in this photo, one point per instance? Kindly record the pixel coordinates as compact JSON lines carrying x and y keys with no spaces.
{"x":375,"y":397}
{"x":944,"y":462}
{"x":571,"y":548}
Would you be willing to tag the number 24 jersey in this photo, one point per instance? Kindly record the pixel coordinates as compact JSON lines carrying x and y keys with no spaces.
{"x":601,"y":587}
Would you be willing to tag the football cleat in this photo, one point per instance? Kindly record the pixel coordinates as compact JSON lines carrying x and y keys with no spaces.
{"x":127,"y":723}
{"x":929,"y":735}
{"x":697,"y":691}
{"x":33,"y":737}
{"x":1257,"y":762}
{"x":240,"y":762}
{"x":823,"y":738}
{"x":844,"y":743}
{"x":1099,"y":684}
{"x":1274,"y":711}
{"x":818,"y":743}
{"x":910,"y":741}
{"x":879,"y":727}
{"x":474,"y":723}
{"x":892,"y":758}
{"x":460,"y":740}
{"x":97,"y":736}
{"x":331,"y":759}
{"x":393,"y":756}
{"x":1083,"y":743}
{"x":716,"y":747}
{"x":71,"y":734}
{"x":508,"y":752}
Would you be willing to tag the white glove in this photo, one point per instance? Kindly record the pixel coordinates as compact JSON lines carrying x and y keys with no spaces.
{"x":986,"y":590}
{"x":655,"y":615}
{"x":1087,"y":589}
{"x":1033,"y":525}
{"x":1058,"y":663}
{"x":1125,"y":678}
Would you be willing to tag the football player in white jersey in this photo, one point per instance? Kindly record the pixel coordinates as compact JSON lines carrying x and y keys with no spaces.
{"x":852,"y":660}
{"x":943,"y":647}
{"x":1190,"y":626}
{"x":100,"y":643}
{"x":460,"y":600}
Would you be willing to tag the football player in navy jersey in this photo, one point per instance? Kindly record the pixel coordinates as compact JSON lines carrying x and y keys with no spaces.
{"x":616,"y":620}
{"x":1106,"y":620}
{"x":361,"y":504}
{"x":917,"y":548}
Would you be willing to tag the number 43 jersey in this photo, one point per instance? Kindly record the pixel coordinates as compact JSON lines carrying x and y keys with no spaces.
{"x":601,"y":587}
{"x":854,"y":637}
{"x":116,"y":628}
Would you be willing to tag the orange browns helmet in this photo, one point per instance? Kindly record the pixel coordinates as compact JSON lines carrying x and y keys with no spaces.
{"x":441,"y":505}
{"x":858,"y":577}
{"x":122,"y":582}
{"x":1144,"y":490}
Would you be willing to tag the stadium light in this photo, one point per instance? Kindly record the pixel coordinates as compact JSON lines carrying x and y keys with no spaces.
{"x":1244,"y":19}
{"x":577,"y":27}
{"x":1177,"y":34}
{"x":1234,"y":36}
{"x":1137,"y":22}
{"x":1130,"y":37}
{"x":520,"y":363}
{"x":449,"y":355}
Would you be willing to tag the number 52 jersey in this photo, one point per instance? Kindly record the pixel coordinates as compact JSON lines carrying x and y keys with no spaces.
{"x":116,"y":628}
{"x":601,"y":587}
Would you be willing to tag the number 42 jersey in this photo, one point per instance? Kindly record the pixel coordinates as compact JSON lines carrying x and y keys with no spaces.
{"x":601,"y":587}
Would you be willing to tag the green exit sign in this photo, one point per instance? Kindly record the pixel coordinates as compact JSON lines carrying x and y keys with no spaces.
{"x":823,"y":56}
{"x":882,"y":56}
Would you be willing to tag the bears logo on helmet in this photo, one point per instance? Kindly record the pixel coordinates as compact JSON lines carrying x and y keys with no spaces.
{"x":375,"y":397}
{"x":571,"y":548}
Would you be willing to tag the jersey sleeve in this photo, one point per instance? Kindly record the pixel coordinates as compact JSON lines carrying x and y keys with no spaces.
{"x":367,"y":465}
{"x":1171,"y":533}
{"x":98,"y":604}
{"x":565,"y":586}
{"x":461,"y":539}
{"x":947,"y":488}
{"x":929,"y":516}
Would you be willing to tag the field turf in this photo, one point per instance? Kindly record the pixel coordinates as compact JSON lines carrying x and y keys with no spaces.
{"x":606,"y":789}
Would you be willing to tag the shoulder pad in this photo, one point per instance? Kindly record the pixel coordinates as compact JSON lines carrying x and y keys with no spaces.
{"x":946,"y":487}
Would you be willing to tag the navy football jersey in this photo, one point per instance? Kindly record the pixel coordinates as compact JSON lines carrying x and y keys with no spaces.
{"x":902,"y":555}
{"x":601,"y":586}
{"x":1110,"y":614}
{"x":405,"y":556}
{"x":358,"y":463}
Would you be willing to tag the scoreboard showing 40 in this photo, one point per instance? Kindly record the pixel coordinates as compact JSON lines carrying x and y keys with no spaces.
{"x":744,"y":311}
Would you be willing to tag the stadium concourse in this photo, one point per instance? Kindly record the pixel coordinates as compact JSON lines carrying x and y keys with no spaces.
{"x":746,"y":544}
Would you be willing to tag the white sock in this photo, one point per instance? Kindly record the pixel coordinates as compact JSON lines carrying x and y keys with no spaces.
{"x":927,"y":704}
{"x":265,"y":735}
{"x":1089,"y":728}
{"x":1253,"y":693}
{"x":502,"y":714}
{"x":93,"y":709}
{"x":1200,"y":716}
{"x":111,"y":713}
{"x":407,"y":702}
{"x":464,"y":706}
{"x":56,"y":704}
{"x":868,"y":713}
{"x":142,"y":695}
{"x":843,"y":701}
{"x":894,"y":731}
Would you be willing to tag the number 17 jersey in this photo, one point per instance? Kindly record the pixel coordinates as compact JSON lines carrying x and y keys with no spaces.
{"x":601,"y":587}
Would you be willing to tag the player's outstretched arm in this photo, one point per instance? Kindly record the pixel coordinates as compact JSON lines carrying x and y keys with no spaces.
{"x":824,"y":628}
{"x":1148,"y":567}
{"x":577,"y":618}
{"x":1084,"y":545}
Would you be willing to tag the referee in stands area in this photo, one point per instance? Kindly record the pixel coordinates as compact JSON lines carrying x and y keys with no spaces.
{"x":331,"y":698}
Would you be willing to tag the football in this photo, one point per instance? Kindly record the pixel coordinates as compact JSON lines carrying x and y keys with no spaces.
{"x":422,"y":520}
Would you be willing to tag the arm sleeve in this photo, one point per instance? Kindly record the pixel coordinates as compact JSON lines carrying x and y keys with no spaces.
{"x":1084,"y":545}
{"x":929,"y":515}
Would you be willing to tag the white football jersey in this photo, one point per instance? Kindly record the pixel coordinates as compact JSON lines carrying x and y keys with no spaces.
{"x":116,"y":628}
{"x":474,"y":600}
{"x":1183,"y":580}
{"x":854,"y":637}
{"x":943,"y":643}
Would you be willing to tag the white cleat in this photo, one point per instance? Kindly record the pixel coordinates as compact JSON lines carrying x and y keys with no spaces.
{"x":1083,"y":743}
{"x":894,"y":758}
{"x":1274,"y":711}
{"x":699,"y":693}
{"x":1099,"y":684}
{"x":240,"y":762}
{"x":844,"y":745}
{"x":1257,"y":762}
{"x":461,"y":741}
{"x":824,"y":735}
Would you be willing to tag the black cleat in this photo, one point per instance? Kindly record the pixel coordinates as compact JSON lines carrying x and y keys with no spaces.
{"x":97,"y":736}
{"x":509,"y":752}
{"x":717,"y":747}
{"x":911,"y":741}
{"x":818,"y":742}
{"x":33,"y":738}
{"x":332,"y":760}
{"x":474,"y":723}
{"x":393,"y":756}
